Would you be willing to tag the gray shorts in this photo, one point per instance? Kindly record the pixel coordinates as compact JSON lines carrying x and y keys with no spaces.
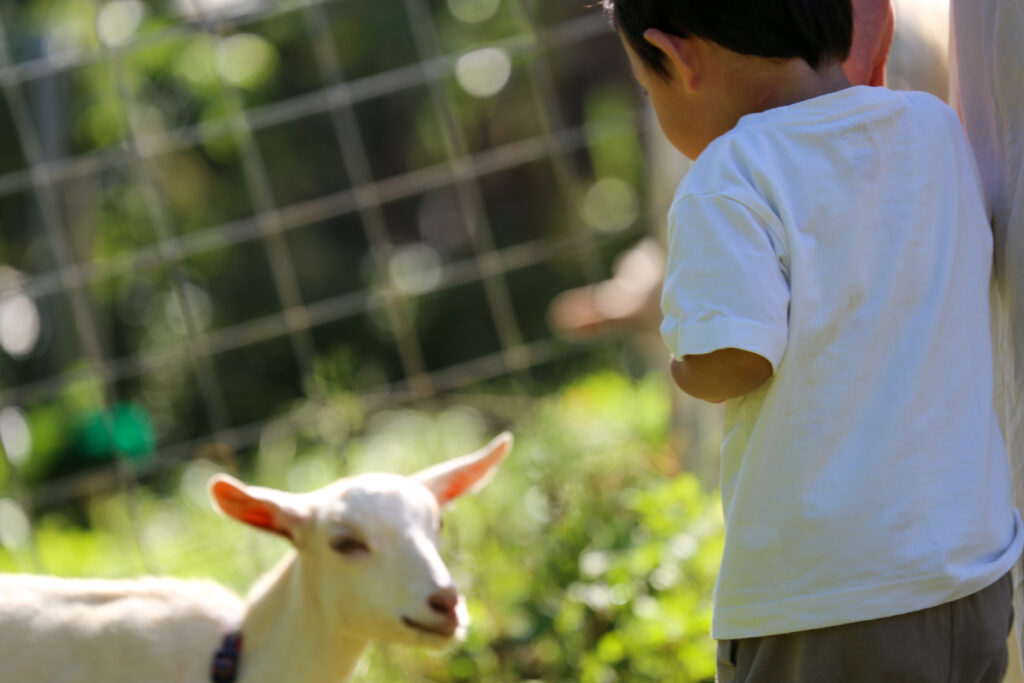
{"x":959,"y":642}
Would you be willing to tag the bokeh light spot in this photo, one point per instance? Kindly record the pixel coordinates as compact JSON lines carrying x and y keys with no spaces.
{"x":199,"y":312}
{"x":473,"y":11}
{"x":246,"y":60}
{"x":15,"y":435}
{"x":119,"y":20}
{"x":14,"y":525}
{"x":483,"y":72}
{"x":610,"y":204}
{"x":594,"y":563}
{"x":199,"y":9}
{"x":19,"y":325}
{"x":416,"y":268}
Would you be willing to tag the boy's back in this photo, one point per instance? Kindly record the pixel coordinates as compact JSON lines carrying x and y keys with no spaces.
{"x":844,"y":239}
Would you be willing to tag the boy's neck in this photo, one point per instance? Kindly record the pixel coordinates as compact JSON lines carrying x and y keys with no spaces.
{"x":784,"y":83}
{"x":736,"y":85}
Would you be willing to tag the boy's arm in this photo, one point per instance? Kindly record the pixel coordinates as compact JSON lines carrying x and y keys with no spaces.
{"x":725,"y":297}
{"x":721,"y":375}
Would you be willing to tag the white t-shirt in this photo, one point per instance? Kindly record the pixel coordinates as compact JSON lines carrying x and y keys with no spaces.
{"x":844,"y":238}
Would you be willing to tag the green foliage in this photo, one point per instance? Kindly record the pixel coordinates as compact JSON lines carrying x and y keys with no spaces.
{"x":587,"y":559}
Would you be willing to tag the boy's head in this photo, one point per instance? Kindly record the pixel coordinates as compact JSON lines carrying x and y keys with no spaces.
{"x":817,"y":31}
{"x":705,"y":63}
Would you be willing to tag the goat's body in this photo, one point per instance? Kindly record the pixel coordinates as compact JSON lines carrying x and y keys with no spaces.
{"x":162,"y":630}
{"x":86,"y":631}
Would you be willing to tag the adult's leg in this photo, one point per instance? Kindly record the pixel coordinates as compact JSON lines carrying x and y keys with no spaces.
{"x":988,"y":69}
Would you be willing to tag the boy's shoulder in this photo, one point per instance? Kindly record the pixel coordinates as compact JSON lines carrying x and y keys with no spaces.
{"x":793,"y":144}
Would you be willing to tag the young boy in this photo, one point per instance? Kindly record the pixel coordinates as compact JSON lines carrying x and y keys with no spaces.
{"x":828,"y":278}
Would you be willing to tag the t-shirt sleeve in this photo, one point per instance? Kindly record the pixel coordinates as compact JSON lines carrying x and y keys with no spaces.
{"x":725,"y":283}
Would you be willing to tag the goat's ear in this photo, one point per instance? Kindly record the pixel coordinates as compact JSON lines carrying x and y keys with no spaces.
{"x":449,"y":480}
{"x":274,"y":511}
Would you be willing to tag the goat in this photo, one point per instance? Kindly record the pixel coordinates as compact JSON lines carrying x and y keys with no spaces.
{"x":364,"y":567}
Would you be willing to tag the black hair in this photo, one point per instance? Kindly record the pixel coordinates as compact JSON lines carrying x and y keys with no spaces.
{"x":817,"y":31}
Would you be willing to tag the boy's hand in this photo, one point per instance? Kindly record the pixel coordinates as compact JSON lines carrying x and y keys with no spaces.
{"x":721,"y":375}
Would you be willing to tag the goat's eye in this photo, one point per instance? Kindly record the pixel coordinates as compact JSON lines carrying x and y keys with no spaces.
{"x":347,"y":545}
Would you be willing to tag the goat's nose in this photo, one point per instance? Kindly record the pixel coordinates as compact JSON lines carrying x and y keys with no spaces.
{"x":444,"y":601}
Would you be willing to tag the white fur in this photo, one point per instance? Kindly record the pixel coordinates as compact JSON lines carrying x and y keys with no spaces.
{"x":307,"y":620}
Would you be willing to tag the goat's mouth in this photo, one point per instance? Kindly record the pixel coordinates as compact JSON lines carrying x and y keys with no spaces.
{"x":446,"y":629}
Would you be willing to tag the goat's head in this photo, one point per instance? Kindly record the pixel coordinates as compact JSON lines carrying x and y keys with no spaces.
{"x":367,"y":545}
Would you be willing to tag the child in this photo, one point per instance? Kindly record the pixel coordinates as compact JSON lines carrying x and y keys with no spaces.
{"x":828,"y":278}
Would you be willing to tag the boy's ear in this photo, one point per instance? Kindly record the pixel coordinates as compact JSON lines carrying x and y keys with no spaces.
{"x":682,"y":53}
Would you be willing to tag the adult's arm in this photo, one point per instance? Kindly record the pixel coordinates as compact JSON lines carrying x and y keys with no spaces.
{"x":874,"y":22}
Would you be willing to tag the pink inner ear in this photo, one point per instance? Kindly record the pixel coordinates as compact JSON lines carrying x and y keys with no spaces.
{"x":246,"y":509}
{"x":462,"y":480}
{"x":230,"y":499}
{"x":259,"y":516}
{"x":455,"y":487}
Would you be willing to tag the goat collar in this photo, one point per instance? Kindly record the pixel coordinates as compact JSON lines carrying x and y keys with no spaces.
{"x":224,"y":668}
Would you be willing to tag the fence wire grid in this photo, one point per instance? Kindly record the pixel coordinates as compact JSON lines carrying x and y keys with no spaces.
{"x":215,"y":213}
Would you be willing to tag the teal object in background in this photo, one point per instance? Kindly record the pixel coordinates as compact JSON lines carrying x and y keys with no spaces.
{"x":126,"y":429}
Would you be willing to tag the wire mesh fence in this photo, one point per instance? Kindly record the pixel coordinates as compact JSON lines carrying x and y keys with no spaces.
{"x":217,"y":215}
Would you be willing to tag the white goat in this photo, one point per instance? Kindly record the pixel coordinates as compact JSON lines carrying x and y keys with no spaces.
{"x":364,"y":567}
